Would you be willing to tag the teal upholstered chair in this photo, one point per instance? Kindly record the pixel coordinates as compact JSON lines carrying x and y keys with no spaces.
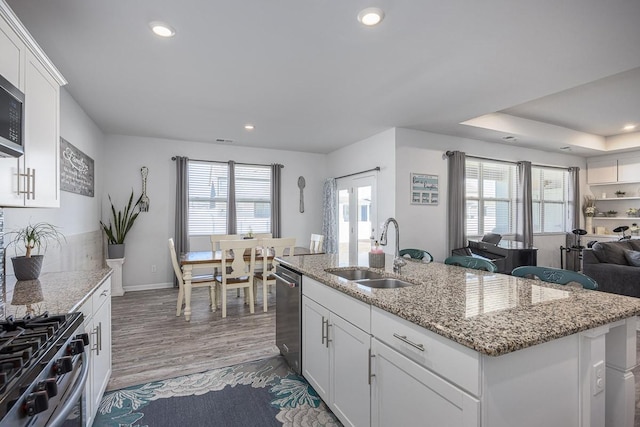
{"x":555,"y":275}
{"x":472,"y":262}
{"x":419,"y":254}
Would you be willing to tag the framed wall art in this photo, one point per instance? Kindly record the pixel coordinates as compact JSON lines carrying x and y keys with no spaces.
{"x":76,"y":170}
{"x":424,"y":189}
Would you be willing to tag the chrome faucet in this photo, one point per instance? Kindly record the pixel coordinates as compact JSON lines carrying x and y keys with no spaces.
{"x":398,"y":262}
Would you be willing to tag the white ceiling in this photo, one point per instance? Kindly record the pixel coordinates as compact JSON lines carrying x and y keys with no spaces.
{"x":311,"y":78}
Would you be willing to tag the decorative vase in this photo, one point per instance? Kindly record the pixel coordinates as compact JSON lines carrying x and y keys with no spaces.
{"x":27,"y":268}
{"x":115,"y":251}
{"x":588,"y":224}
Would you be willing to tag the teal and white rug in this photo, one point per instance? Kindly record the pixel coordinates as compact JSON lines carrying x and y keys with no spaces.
{"x":261,"y":393}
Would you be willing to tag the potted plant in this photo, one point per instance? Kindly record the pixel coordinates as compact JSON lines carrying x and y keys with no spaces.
{"x":33,"y":237}
{"x":612,"y":213}
{"x":632,"y":212}
{"x":119,"y":225}
{"x":620,"y":193}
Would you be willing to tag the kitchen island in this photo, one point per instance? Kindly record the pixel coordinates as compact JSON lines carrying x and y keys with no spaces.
{"x":484,"y":349}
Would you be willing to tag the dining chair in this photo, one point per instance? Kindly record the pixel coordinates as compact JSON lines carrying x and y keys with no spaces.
{"x":199,"y":281}
{"x":271,"y":248}
{"x":262,"y":236}
{"x":217,"y":238}
{"x":419,"y":254}
{"x":472,"y":262}
{"x":555,"y":275}
{"x":316,"y":243}
{"x":238,"y":272}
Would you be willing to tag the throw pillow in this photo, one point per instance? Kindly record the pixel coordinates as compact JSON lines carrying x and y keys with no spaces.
{"x":633,"y":257}
{"x":612,"y":252}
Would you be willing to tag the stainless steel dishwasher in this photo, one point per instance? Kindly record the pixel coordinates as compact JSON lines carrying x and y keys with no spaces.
{"x":289,"y":316}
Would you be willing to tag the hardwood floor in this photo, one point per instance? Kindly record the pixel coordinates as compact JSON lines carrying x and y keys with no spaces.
{"x":151,"y":343}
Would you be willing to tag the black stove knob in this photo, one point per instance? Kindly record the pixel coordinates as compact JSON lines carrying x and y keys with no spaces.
{"x":50,"y":385}
{"x":35,"y":403}
{"x":83,"y":337}
{"x":75,"y":347}
{"x":63,"y":365}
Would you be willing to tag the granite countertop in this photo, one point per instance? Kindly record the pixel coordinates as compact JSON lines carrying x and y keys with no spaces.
{"x":53,"y":292}
{"x":491,"y":313}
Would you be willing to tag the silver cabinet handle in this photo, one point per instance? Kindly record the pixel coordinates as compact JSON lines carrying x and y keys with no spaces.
{"x":371,"y":356}
{"x":99,"y":337}
{"x":104,"y":293}
{"x":30,"y":178}
{"x":324,"y":337}
{"x":286,"y":282}
{"x":404,"y":339}
{"x":328,"y":340}
{"x":33,"y":186}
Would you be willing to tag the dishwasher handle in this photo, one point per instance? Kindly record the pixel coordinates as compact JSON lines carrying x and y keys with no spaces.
{"x":291,"y":284}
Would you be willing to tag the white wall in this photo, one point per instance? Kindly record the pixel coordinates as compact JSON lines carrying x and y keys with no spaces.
{"x":146,"y":245}
{"x":77,"y":214}
{"x":423,"y":152}
{"x":378,"y":150}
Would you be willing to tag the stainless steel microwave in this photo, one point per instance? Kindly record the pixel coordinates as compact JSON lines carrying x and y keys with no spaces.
{"x":11,"y":120}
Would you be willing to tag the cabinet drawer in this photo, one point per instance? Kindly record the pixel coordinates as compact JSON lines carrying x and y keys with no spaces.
{"x":349,"y":308}
{"x":454,"y":362}
{"x":102,"y":294}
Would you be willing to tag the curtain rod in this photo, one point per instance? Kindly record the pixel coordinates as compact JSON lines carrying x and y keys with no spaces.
{"x":377,"y":168}
{"x":218,"y":161}
{"x":449,"y":153}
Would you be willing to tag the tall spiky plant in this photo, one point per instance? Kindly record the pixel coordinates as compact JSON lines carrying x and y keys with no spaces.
{"x":121,"y":221}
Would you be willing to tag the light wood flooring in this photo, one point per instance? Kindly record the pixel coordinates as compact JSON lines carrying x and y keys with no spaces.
{"x":151,"y":343}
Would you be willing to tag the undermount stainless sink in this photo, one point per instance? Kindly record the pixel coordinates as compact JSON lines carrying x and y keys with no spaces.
{"x":384,"y":283}
{"x":356,"y":274}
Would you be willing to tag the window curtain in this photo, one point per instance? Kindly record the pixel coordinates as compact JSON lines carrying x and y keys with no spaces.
{"x":524,"y":205}
{"x":276,"y":179}
{"x":574,"y":198}
{"x":182,"y":206}
{"x":329,"y":216}
{"x":456,"y":204}
{"x":231,"y":202}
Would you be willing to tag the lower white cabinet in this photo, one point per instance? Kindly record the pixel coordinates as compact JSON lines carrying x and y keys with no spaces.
{"x":407,"y":394}
{"x":97,"y":312}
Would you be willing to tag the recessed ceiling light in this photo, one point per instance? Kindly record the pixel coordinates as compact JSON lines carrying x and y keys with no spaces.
{"x":249,"y":126}
{"x":510,"y":138}
{"x":371,"y":16}
{"x":629,"y":127}
{"x":162,"y":29}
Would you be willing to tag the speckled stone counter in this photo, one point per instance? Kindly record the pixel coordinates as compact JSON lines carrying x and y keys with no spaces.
{"x":491,"y":313}
{"x":52,"y":292}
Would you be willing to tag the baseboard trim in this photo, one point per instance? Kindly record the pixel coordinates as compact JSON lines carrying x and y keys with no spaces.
{"x":148,"y":287}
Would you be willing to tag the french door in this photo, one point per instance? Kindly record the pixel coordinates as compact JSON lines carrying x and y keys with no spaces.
{"x":357,"y":217}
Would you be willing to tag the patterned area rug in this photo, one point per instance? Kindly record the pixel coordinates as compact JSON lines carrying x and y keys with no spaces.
{"x":261,"y":393}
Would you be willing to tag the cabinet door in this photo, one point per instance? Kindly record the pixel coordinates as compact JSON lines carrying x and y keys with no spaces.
{"x":102,"y":356}
{"x":602,"y":171}
{"x":42,"y":142}
{"x":629,"y":169}
{"x":315,"y":346}
{"x":405,"y":393}
{"x":12,"y":52}
{"x":350,"y":391}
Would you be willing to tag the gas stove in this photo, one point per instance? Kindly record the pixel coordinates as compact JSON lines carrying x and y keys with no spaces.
{"x":43,"y":368}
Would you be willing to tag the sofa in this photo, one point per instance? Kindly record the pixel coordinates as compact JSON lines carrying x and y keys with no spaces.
{"x":611,"y":264}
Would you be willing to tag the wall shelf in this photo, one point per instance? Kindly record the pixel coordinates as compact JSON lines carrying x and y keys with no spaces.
{"x":634,"y":218}
{"x":609,"y":199}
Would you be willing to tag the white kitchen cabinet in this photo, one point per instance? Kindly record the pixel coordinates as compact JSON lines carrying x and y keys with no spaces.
{"x":602,"y":171}
{"x":33,"y":179}
{"x":97,"y":322}
{"x":407,"y":394}
{"x":336,"y":353}
{"x":629,"y":169}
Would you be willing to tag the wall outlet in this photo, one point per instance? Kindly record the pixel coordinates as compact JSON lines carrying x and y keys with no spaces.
{"x":153,"y":268}
{"x":598,"y":378}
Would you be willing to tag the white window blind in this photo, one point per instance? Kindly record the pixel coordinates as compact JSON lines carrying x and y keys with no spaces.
{"x":208,"y":198}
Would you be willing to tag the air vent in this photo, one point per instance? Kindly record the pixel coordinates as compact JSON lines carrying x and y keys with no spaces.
{"x":510,"y":138}
{"x":567,"y":148}
{"x":224,"y":141}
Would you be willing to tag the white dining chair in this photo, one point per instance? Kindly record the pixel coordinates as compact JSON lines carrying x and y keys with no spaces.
{"x":316,"y":243}
{"x":217,"y":238}
{"x":199,"y":281}
{"x":237,"y":274}
{"x":276,"y":248}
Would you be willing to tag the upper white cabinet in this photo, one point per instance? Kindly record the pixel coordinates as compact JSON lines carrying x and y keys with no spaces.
{"x":613,"y":171}
{"x":32,"y":180}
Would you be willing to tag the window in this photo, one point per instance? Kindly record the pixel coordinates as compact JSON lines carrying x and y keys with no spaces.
{"x":208,"y":198}
{"x":490,"y":196}
{"x":549,"y":195}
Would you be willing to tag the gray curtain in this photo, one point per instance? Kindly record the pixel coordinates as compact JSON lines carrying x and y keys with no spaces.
{"x":181,"y":237}
{"x":329,"y":216}
{"x":456,"y":203}
{"x":276,"y":205}
{"x":524,"y":206}
{"x":231,"y":201}
{"x":574,"y":198}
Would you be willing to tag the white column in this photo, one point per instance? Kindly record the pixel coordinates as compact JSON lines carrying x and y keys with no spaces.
{"x":116,"y":277}
{"x":621,"y":359}
{"x":593,"y":376}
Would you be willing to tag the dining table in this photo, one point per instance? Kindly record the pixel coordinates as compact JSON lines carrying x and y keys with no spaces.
{"x":211,"y":259}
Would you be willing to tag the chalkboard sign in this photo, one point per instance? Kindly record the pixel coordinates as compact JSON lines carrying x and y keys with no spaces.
{"x":76,"y":170}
